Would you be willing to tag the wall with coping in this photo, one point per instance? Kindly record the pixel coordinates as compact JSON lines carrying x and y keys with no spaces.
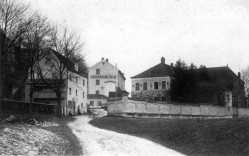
{"x":144,"y":109}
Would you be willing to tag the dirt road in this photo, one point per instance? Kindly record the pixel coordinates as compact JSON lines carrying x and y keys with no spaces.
{"x":97,"y":141}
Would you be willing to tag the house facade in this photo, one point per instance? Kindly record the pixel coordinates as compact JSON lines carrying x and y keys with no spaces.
{"x":154,"y":83}
{"x":222,"y":88}
{"x":74,"y":91}
{"x":103,"y":81}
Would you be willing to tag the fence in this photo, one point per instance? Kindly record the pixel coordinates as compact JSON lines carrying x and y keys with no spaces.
{"x":144,"y":109}
{"x":23,"y":107}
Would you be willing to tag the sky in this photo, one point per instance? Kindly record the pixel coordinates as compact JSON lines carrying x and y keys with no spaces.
{"x":135,"y":34}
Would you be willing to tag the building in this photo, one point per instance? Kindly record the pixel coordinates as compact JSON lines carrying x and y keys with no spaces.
{"x":154,"y":83}
{"x":222,"y":88}
{"x":231,"y":86}
{"x":74,"y":88}
{"x":104,"y":80}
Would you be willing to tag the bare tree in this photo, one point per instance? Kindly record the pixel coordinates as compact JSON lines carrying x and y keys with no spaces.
{"x":245,"y":78}
{"x":59,"y":65}
{"x":13,"y":23}
{"x":35,"y":42}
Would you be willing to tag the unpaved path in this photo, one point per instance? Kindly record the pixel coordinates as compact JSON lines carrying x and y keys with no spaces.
{"x":97,"y":141}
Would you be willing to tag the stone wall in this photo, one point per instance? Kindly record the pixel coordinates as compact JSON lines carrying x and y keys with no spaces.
{"x":144,"y":109}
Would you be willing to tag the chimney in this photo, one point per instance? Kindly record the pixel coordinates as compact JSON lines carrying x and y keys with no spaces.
{"x":116,"y":65}
{"x":106,"y":60}
{"x":76,"y":67}
{"x":102,"y":58}
{"x":171,"y":64}
{"x":163,"y":60}
{"x":239,"y":75}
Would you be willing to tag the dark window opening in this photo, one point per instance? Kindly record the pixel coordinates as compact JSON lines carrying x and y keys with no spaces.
{"x":145,"y":86}
{"x":97,"y":82}
{"x":155,"y":85}
{"x":137,"y":86}
{"x":163,"y":84}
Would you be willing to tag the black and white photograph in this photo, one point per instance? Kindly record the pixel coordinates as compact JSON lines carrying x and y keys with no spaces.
{"x":124,"y":77}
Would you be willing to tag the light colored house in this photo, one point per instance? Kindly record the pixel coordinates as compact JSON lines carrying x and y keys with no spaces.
{"x":153,"y":83}
{"x":103,"y":81}
{"x":74,"y":87}
{"x":222,"y":87}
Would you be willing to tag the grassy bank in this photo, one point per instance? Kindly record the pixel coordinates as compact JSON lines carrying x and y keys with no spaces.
{"x":191,"y":137}
{"x":19,"y":136}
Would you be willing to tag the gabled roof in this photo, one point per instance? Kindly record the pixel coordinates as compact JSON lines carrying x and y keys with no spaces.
{"x":160,"y":70}
{"x":107,"y":62}
{"x":96,"y":96}
{"x":66,"y":62}
{"x":223,"y":76}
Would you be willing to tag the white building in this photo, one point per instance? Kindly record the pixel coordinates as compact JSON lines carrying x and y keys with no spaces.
{"x":153,"y":83}
{"x":103,"y":81}
{"x":74,"y":91}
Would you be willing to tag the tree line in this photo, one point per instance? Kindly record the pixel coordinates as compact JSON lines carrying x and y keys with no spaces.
{"x":23,"y":32}
{"x":194,"y":85}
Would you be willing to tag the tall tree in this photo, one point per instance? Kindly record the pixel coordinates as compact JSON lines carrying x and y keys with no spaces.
{"x":35,"y":43}
{"x":57,"y":72}
{"x":13,"y":23}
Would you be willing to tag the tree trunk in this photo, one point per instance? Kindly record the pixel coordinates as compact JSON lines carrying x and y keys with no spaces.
{"x":31,"y":101}
{"x":1,"y":78}
{"x":59,"y":110}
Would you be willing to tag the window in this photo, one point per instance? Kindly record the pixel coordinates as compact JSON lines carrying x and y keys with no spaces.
{"x":155,"y":85}
{"x":227,"y":98}
{"x":97,"y":91}
{"x":155,"y":98}
{"x":97,"y":82}
{"x":76,"y":79}
{"x":83,"y":82}
{"x":97,"y":71}
{"x":70,"y":91}
{"x":163,"y":84}
{"x":76,"y":92}
{"x":137,"y":86}
{"x":145,"y":86}
{"x":83,"y":94}
{"x":91,"y":103}
{"x":70,"y":77}
{"x":98,"y":103}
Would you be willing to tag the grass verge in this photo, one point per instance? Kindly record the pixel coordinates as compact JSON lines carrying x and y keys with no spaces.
{"x":21,"y":137}
{"x":195,"y":137}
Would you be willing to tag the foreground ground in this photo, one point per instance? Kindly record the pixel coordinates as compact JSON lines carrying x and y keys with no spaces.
{"x":50,"y":136}
{"x":191,"y":137}
{"x":97,"y":141}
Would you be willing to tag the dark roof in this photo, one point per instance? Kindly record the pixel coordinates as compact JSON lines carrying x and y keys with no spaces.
{"x":96,"y":96}
{"x":160,"y":70}
{"x":40,"y":81}
{"x":223,"y":76}
{"x":67,"y":62}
